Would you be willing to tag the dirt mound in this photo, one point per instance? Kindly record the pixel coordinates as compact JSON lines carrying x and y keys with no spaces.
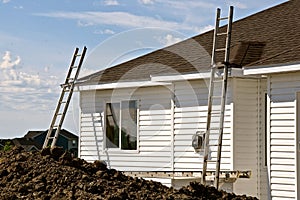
{"x":54,"y":174}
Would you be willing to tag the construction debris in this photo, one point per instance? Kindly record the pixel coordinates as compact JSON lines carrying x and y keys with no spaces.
{"x":54,"y":174}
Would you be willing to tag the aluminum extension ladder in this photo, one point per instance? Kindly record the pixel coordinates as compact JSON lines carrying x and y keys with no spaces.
{"x":64,"y":99}
{"x":216,"y":113}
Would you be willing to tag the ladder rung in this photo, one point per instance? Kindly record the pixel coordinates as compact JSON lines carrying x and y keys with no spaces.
{"x":216,"y":97}
{"x":211,"y":161}
{"x":77,"y":55}
{"x":223,"y":18}
{"x":222,"y":49}
{"x":59,"y":114}
{"x":73,"y":67}
{"x":214,"y":128}
{"x":224,"y":33}
{"x":63,"y":102}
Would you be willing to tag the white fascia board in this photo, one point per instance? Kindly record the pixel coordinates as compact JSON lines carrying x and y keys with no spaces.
{"x":271,"y":69}
{"x":121,"y":85}
{"x":235,"y":72}
{"x":180,"y":77}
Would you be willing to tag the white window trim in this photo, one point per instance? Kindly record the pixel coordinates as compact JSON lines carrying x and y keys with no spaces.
{"x":119,"y":150}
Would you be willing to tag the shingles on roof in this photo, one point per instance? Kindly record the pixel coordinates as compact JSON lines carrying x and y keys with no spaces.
{"x":268,"y":37}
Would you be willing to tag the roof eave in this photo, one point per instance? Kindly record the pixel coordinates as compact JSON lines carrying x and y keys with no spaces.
{"x":271,"y":69}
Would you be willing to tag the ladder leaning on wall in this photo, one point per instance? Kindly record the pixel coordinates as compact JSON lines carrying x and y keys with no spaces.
{"x":216,"y":101}
{"x":64,"y":99}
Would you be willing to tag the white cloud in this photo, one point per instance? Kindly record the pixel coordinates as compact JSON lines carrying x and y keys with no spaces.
{"x":147,"y":1}
{"x":117,"y":18}
{"x":187,"y":4}
{"x":169,"y":39}
{"x":111,"y":2}
{"x":5,"y":1}
{"x":7,"y":63}
{"x":204,"y":29}
{"x":106,"y":32}
{"x":24,"y":90}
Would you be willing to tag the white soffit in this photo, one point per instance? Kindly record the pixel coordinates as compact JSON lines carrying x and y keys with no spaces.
{"x":121,"y":85}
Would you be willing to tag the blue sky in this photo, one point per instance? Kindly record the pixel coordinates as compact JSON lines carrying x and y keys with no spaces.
{"x":38,"y":37}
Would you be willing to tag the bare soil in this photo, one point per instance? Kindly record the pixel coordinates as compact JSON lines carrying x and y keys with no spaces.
{"x":54,"y":174}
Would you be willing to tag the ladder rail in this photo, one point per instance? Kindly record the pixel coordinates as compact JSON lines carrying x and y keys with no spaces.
{"x":67,"y":89}
{"x":211,"y":96}
{"x":224,"y":92}
{"x":70,"y":94}
{"x":210,"y":93}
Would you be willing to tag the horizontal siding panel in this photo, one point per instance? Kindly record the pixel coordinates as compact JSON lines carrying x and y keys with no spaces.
{"x":90,"y":129}
{"x":279,"y":142}
{"x":155,"y":138}
{"x":155,"y":128}
{"x":154,"y":143}
{"x":282,"y":104}
{"x":141,"y":164}
{"x":282,"y":181}
{"x":155,"y":149}
{"x":282,"y":116}
{"x":154,"y":112}
{"x":282,"y":161}
{"x":287,"y":129}
{"x":288,"y":149}
{"x":281,"y":122}
{"x":138,"y":158}
{"x":154,"y":117}
{"x":90,"y":139}
{"x":281,"y":167}
{"x":90,"y":133}
{"x":155,"y":123}
{"x":282,"y":174}
{"x":141,"y":169}
{"x":90,"y":143}
{"x":282,"y":193}
{"x":286,"y":187}
{"x":284,"y":136}
{"x":149,"y":133}
{"x":282,"y":155}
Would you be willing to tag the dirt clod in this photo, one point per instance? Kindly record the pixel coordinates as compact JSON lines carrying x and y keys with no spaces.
{"x":54,"y":174}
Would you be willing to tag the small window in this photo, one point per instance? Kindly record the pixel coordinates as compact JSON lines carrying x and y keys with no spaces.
{"x":121,"y":125}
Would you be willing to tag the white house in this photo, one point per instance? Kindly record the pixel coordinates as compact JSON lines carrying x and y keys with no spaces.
{"x":141,"y":115}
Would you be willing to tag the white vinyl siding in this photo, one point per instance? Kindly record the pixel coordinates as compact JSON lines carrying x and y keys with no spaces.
{"x":190,"y":116}
{"x":154,"y":129}
{"x":282,"y":127}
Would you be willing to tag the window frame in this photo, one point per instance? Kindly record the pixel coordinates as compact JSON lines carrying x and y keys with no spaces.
{"x":119,"y":149}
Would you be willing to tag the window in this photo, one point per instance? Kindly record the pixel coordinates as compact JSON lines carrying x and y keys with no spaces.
{"x":121,"y":125}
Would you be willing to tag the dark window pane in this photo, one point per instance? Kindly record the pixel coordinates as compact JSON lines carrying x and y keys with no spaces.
{"x":129,"y":125}
{"x":112,"y":125}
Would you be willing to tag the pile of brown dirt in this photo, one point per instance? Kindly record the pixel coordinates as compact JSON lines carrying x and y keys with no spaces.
{"x":54,"y":174}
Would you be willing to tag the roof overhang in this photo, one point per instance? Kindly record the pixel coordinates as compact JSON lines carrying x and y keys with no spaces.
{"x":165,"y":80}
{"x":264,"y":70}
{"x":120,"y":85}
{"x":156,"y":80}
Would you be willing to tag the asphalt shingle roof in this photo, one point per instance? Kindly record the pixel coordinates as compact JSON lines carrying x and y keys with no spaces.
{"x":268,"y":37}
